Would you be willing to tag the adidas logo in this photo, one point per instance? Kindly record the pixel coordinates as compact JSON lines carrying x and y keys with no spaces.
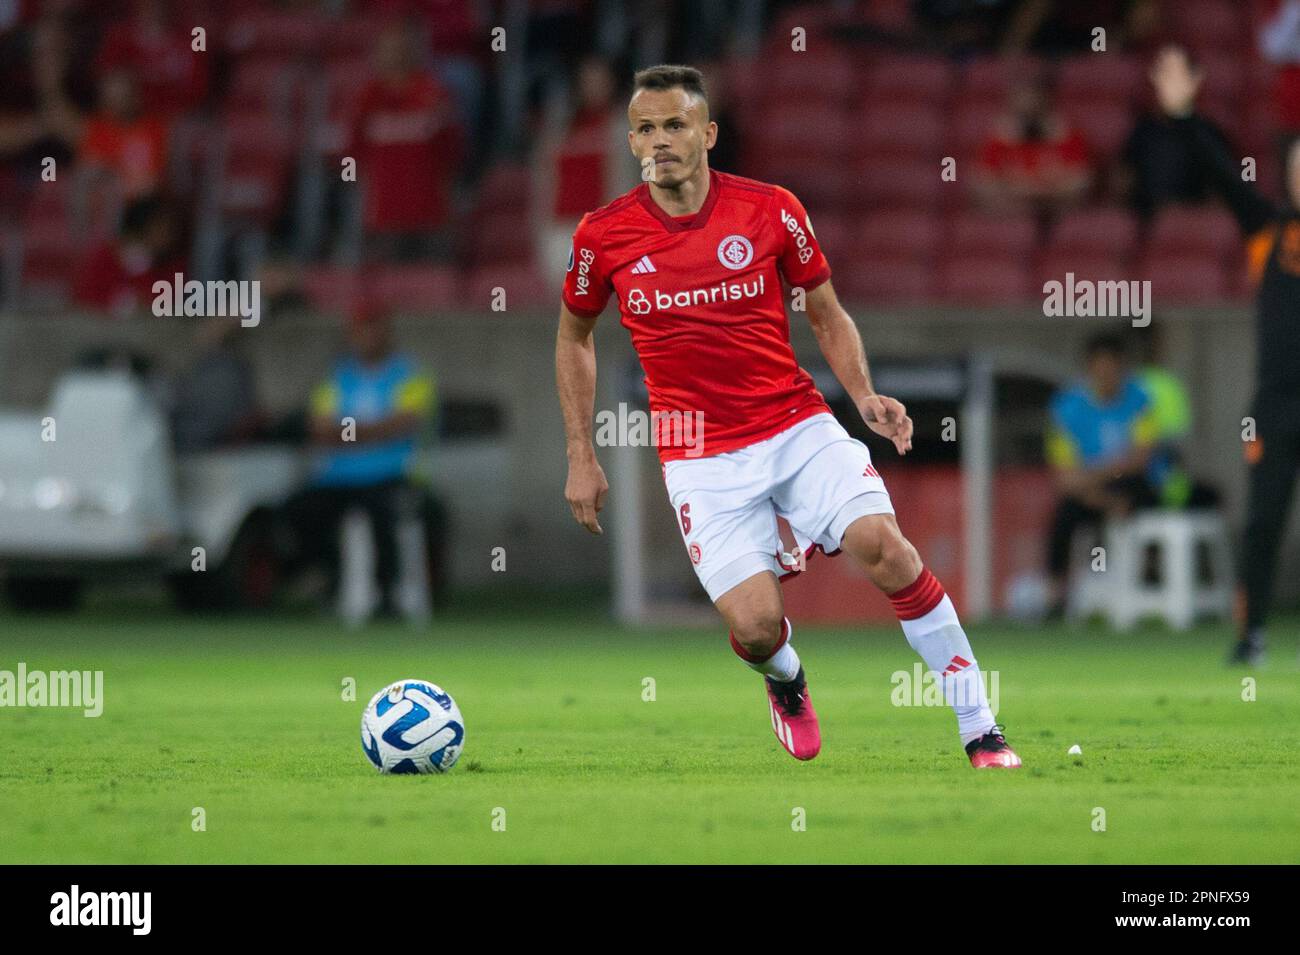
{"x":956,"y":666}
{"x":784,"y":732}
{"x":644,"y":266}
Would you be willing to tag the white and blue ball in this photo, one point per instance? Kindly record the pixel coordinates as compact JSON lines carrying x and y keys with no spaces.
{"x":412,"y":726}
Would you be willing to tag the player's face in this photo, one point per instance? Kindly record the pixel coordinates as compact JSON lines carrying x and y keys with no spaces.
{"x":670,"y":135}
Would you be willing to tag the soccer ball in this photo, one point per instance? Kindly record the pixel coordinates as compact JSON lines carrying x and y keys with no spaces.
{"x":412,"y":726}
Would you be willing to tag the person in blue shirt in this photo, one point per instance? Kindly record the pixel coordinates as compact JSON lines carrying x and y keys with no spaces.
{"x":1102,"y":445}
{"x":363,"y":422}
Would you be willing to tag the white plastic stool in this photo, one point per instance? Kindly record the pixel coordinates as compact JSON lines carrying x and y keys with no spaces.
{"x":1180,"y":597}
{"x":358,"y":593}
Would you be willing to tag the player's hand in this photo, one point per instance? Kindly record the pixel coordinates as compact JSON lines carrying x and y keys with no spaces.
{"x":888,"y":418}
{"x":585,"y":491}
{"x":1176,"y":83}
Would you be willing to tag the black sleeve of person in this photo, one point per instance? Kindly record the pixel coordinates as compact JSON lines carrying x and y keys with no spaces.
{"x":1209,"y":150}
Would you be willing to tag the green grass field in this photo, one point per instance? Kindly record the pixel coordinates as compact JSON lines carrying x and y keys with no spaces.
{"x":244,"y":718}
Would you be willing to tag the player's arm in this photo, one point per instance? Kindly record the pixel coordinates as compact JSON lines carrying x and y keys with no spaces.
{"x":841,"y":344}
{"x":575,"y":378}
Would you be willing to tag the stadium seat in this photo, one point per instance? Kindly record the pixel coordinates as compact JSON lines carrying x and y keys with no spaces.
{"x":275,"y":33}
{"x":985,"y":280}
{"x":898,"y":183}
{"x":827,"y":78}
{"x":896,"y":281}
{"x":1208,"y":24}
{"x":1093,"y":265}
{"x":1189,"y":230}
{"x":902,"y":79}
{"x":1115,"y":76}
{"x":271,"y":86}
{"x":973,"y":233}
{"x":505,"y":188}
{"x":913,"y":130}
{"x":1186,"y":279}
{"x":1105,"y":125}
{"x":523,"y":288}
{"x":415,"y":289}
{"x":501,"y":237}
{"x":1092,"y":232}
{"x":915,"y":234}
{"x":331,"y":289}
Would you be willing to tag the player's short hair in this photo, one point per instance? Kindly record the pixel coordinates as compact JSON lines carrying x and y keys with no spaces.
{"x":670,"y":76}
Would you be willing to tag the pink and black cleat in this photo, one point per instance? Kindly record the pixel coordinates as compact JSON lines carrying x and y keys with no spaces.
{"x":793,"y":719}
{"x":991,"y":751}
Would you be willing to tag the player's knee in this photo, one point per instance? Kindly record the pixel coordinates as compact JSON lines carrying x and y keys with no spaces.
{"x":897,"y":555}
{"x":758,"y":630}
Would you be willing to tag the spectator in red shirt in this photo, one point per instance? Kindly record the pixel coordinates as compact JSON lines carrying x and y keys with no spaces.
{"x":118,"y":277}
{"x":124,"y":140}
{"x":171,"y":76}
{"x":407,"y":140}
{"x":584,"y":161}
{"x":1033,"y":160}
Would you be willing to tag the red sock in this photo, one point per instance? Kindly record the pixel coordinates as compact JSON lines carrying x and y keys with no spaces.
{"x":751,"y":658}
{"x":919,"y":597}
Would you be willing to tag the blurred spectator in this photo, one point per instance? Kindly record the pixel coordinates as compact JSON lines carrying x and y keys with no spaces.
{"x":407,"y":141}
{"x":117,"y":277}
{"x":1100,"y":444}
{"x":125,"y":140}
{"x":1062,"y":27}
{"x":1033,"y":160}
{"x":1171,"y":417}
{"x":368,"y":466}
{"x":215,"y":398}
{"x":585,"y":161}
{"x":1279,"y":44}
{"x":1157,"y":165}
{"x":172,"y":77}
{"x":42,"y":96}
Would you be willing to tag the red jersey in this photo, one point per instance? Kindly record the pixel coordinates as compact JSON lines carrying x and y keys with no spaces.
{"x":702,"y":298}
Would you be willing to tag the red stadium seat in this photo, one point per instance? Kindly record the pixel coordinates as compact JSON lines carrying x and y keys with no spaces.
{"x":332,"y":289}
{"x":985,"y":280}
{"x":274,"y":33}
{"x":884,"y":281}
{"x":1105,"y":125}
{"x":1113,"y":76}
{"x":1191,"y":230}
{"x":523,"y":288}
{"x":974,"y":233}
{"x":505,"y":188}
{"x":902,"y":183}
{"x":500,"y":238}
{"x":1186,"y":279}
{"x":1091,"y":265}
{"x":829,"y":77}
{"x":902,"y":79}
{"x":909,"y":233}
{"x":909,"y":129}
{"x":1208,"y":24}
{"x":971,"y":121}
{"x":1093,"y":232}
{"x":415,"y":289}
{"x":265,"y":86}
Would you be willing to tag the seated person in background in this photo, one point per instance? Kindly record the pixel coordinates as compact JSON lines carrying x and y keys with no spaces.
{"x":1033,"y":161}
{"x":215,"y":398}
{"x":364,"y":462}
{"x":1101,"y":444}
{"x":117,"y":277}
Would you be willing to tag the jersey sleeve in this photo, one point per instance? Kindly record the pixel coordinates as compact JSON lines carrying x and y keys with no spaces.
{"x":801,"y":260}
{"x":586,"y":284}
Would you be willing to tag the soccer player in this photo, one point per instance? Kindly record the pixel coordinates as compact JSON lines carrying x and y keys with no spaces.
{"x":697,"y":258}
{"x":1274,"y":251}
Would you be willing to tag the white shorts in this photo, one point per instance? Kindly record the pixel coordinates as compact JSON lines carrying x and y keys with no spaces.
{"x":813,"y":474}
